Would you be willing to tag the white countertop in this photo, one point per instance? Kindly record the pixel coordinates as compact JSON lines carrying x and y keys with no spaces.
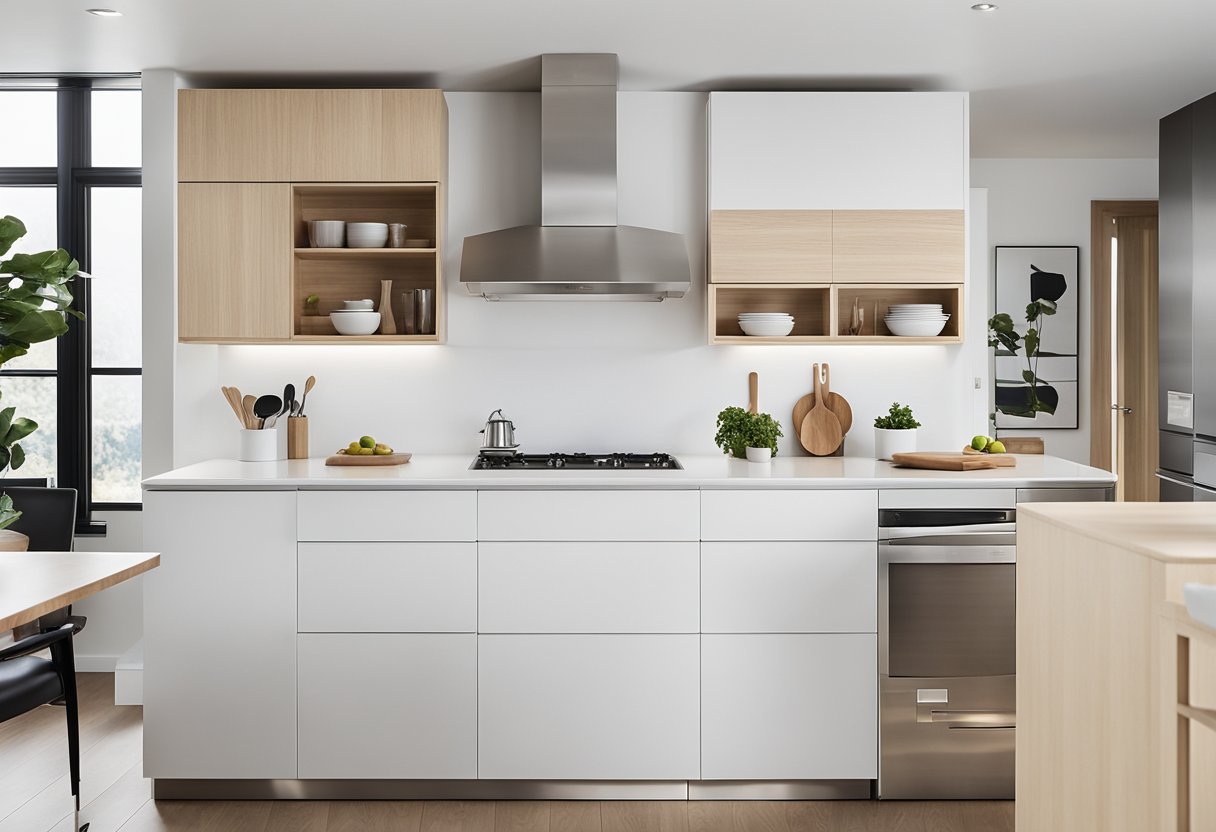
{"x":452,"y":472}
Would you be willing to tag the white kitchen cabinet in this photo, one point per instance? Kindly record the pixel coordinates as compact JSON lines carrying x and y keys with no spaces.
{"x":838,"y":150}
{"x":388,"y":515}
{"x":388,"y":705}
{"x":789,"y":707}
{"x":387,"y":587}
{"x":588,"y":707}
{"x":220,"y":635}
{"x":588,"y":515}
{"x":789,"y":515}
{"x":770,"y":587}
{"x":581,"y":587}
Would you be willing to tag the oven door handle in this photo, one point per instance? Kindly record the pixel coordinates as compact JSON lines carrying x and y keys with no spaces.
{"x":972,"y":551}
{"x":976,"y":529}
{"x":968,"y":719}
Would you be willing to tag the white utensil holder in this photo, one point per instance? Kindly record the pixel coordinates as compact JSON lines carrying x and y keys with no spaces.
{"x":259,"y":446}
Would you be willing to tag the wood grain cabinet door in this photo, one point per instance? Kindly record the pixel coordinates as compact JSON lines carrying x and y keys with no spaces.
{"x":233,"y":135}
{"x":770,"y":247}
{"x":898,"y":246}
{"x":367,"y":135}
{"x":234,"y":261}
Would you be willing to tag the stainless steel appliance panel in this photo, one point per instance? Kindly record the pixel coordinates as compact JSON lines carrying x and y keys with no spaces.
{"x":1205,"y":463}
{"x":1176,"y":489}
{"x":1177,"y":452}
{"x":1203,"y":284}
{"x":1177,"y":132}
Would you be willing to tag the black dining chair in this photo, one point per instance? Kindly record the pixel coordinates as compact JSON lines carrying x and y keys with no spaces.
{"x":48,"y":518}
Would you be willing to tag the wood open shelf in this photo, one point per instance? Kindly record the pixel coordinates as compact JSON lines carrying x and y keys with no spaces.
{"x":339,"y":274}
{"x":882,"y":295}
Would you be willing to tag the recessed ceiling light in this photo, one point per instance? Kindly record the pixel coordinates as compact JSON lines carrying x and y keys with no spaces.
{"x":104,"y":12}
{"x":984,"y":7}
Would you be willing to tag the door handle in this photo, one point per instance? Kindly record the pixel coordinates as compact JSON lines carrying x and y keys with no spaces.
{"x":1124,"y":410}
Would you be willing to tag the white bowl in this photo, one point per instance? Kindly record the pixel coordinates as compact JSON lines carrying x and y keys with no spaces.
{"x":365,"y":305}
{"x":327,"y":233}
{"x":763,"y":315}
{"x":366,"y":234}
{"x":767,"y":329}
{"x":915,"y":328}
{"x":355,"y":322}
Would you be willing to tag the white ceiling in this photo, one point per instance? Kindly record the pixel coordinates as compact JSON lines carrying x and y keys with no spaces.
{"x":1047,"y":77}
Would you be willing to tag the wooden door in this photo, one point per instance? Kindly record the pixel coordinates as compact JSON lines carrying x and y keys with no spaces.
{"x":898,"y":246}
{"x":233,"y":135}
{"x":1136,"y":357}
{"x":770,"y":247}
{"x":234,"y":261}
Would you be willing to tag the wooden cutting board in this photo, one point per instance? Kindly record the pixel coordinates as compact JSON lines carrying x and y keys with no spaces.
{"x":953,"y":462}
{"x":359,"y":459}
{"x":835,"y":403}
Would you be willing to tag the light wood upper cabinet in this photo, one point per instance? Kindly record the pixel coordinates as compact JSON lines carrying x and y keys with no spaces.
{"x":346,"y":135}
{"x":234,"y":262}
{"x":770,"y":246}
{"x":898,"y":247}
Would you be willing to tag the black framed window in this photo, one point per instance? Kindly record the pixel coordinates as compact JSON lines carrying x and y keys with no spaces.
{"x":72,"y":173}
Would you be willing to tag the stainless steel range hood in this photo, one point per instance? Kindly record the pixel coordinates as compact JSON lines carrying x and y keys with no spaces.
{"x":578,"y":252}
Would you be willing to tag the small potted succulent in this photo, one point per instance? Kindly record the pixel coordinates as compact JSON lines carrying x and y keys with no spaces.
{"x":895,"y":433}
{"x":745,"y":435}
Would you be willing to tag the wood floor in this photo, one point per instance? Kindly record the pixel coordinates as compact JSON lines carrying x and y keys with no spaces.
{"x":34,"y":797}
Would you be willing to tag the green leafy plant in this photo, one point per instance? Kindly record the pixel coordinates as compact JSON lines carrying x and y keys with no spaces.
{"x":1006,"y":340}
{"x":739,"y":430}
{"x":898,"y":418}
{"x":34,"y":305}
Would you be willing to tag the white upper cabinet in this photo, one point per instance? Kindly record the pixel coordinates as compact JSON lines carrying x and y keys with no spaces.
{"x":838,"y":150}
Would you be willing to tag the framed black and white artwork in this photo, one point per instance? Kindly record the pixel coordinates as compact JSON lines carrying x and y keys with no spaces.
{"x":1036,"y":364}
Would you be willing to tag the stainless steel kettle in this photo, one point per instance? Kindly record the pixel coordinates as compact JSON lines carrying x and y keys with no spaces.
{"x":499,"y":433}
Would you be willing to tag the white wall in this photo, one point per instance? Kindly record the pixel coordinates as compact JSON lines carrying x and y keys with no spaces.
{"x":1047,"y":202}
{"x":573,"y":376}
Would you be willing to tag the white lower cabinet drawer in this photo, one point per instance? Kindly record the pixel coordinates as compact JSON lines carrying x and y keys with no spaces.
{"x":587,"y":587}
{"x":387,"y":705}
{"x":387,"y":515}
{"x":767,"y":587}
{"x":387,"y":587}
{"x":588,"y":515}
{"x":789,"y":707}
{"x":588,"y":707}
{"x":810,"y":514}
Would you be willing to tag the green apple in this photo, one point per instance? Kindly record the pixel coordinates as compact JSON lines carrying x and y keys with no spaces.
{"x":996,"y":447}
{"x":366,"y":442}
{"x":980,"y":442}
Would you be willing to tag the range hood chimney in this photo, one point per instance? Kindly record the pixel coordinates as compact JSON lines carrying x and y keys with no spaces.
{"x":578,"y":252}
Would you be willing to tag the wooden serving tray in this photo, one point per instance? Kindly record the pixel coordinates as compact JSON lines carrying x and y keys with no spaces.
{"x":371,"y":460}
{"x":953,"y":462}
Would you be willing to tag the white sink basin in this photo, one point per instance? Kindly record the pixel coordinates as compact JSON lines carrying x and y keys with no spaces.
{"x":1201,"y":603}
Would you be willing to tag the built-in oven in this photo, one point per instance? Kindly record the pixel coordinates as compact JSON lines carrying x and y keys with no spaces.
{"x":946,"y":652}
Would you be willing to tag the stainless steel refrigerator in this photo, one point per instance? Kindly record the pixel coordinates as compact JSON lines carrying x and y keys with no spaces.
{"x":1187,"y":377}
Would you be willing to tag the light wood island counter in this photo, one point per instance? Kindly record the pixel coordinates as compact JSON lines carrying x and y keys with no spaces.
{"x":1100,"y":670}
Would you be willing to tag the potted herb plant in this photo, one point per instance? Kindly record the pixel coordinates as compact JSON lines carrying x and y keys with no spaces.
{"x":895,"y":433}
{"x":34,"y":305}
{"x":744,"y":435}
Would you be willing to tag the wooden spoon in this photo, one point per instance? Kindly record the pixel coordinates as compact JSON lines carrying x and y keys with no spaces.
{"x":836,"y":402}
{"x":820,"y":433}
{"x":753,"y":389}
{"x":251,"y":421}
{"x":308,"y":385}
{"x":233,"y":397}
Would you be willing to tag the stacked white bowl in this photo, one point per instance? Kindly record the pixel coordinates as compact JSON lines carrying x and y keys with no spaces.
{"x":766,"y":324}
{"x":916,"y":320}
{"x":356,"y":318}
{"x":366,"y":234}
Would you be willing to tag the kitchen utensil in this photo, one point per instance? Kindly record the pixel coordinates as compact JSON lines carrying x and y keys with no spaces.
{"x":308,"y":385}
{"x":358,"y":459}
{"x":408,"y":326}
{"x":365,"y":305}
{"x":820,"y":431}
{"x":289,"y":393}
{"x":251,"y":420}
{"x":366,"y":234}
{"x":952,"y":462}
{"x":349,"y":322}
{"x":835,"y":402}
{"x":424,"y":311}
{"x":803,"y":406}
{"x":258,"y":446}
{"x":499,"y":433}
{"x":265,"y":407}
{"x":297,"y":435}
{"x":396,"y":235}
{"x":388,"y":326}
{"x":233,"y":397}
{"x":327,"y":233}
{"x":753,"y":392}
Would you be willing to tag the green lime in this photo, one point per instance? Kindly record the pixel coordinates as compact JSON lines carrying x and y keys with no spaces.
{"x":979,"y":442}
{"x":996,"y":447}
{"x":367,"y":442}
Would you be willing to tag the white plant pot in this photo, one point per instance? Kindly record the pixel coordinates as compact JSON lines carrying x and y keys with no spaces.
{"x":759,"y":454}
{"x":259,"y":446}
{"x":888,"y":442}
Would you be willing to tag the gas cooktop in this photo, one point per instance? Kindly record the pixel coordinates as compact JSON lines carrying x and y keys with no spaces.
{"x":581,"y":462}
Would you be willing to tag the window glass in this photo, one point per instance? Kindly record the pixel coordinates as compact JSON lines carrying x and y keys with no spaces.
{"x":114,"y":246}
{"x":34,"y":399}
{"x":34,"y":206}
{"x":28,"y":139}
{"x":116,"y":129}
{"x":116,"y":438}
